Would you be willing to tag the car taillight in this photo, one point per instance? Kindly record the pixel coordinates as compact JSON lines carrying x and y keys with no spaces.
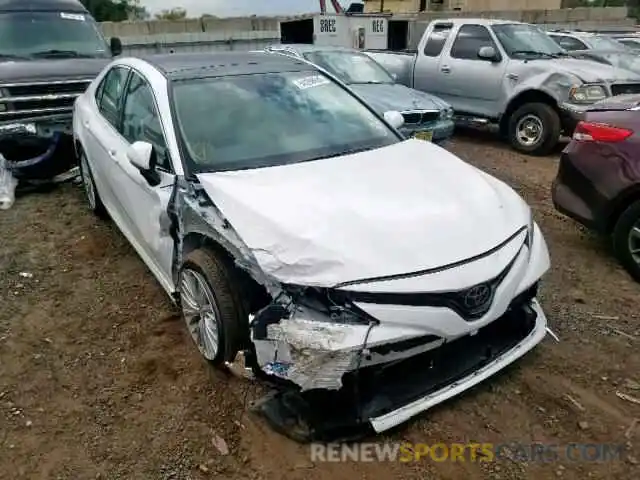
{"x":600,"y":132}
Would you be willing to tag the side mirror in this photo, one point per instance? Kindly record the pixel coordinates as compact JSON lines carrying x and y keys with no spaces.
{"x":115,"y":45}
{"x":394,"y":118}
{"x":143,"y":157}
{"x":488,"y":53}
{"x":394,"y":76}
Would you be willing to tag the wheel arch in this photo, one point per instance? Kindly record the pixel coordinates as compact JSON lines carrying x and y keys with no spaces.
{"x":522,"y":98}
{"x":256,"y":294}
{"x":620,"y":204}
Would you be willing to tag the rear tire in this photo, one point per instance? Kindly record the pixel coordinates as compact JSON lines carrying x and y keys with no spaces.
{"x":626,"y":240}
{"x":214,"y":316}
{"x":90,"y":190}
{"x":534,"y":129}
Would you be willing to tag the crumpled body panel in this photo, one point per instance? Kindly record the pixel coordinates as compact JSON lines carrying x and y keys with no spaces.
{"x":8,"y":185}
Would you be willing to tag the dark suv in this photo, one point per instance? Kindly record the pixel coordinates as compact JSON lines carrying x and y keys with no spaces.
{"x":50,"y":50}
{"x":598,"y":181}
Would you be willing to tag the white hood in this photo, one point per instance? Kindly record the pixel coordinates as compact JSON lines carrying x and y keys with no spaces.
{"x":398,"y":209}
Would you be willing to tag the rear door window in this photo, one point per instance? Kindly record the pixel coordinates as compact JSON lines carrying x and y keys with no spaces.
{"x":109,"y":94}
{"x":437,"y":39}
{"x":569,"y":43}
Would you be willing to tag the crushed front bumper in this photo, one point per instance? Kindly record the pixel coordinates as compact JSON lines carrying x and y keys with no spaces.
{"x":383,"y":396}
{"x":570,"y":115}
{"x":442,"y":130}
{"x":38,"y":148}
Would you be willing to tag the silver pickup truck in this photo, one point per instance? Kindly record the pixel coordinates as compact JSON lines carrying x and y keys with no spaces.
{"x":508,"y":73}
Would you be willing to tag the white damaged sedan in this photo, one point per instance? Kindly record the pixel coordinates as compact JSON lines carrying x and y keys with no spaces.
{"x":295,"y":227}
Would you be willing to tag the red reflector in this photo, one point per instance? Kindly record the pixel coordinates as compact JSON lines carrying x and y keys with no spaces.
{"x":600,"y":132}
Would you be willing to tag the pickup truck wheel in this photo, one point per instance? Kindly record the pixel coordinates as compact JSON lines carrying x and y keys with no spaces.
{"x":626,"y":240}
{"x":534,"y":128}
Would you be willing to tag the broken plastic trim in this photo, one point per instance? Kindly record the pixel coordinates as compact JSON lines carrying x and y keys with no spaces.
{"x":375,"y":391}
{"x":48,"y":128}
{"x":8,"y":185}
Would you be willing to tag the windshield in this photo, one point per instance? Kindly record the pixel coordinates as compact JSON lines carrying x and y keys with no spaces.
{"x":600,"y":42}
{"x":261,"y":120}
{"x":350,"y":67}
{"x":626,"y":61}
{"x":521,"y":39}
{"x":29,"y":34}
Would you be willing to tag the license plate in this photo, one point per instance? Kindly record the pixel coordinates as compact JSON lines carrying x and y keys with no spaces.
{"x":426,"y":136}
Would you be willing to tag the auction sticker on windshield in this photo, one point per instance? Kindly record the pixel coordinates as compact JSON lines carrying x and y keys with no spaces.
{"x":72,"y":16}
{"x":310,"y":82}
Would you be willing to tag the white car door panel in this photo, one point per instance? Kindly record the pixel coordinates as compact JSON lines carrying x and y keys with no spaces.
{"x":144,"y":204}
{"x":101,"y":128}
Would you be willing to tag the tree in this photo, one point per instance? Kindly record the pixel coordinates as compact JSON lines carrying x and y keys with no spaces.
{"x":115,"y":10}
{"x":173,"y":14}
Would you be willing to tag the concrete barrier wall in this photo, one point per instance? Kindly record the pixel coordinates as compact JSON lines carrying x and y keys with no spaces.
{"x":194,"y":35}
{"x":565,"y":15}
{"x":196,"y":25}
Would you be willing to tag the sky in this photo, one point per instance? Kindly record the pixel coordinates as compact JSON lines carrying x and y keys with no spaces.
{"x":232,"y":8}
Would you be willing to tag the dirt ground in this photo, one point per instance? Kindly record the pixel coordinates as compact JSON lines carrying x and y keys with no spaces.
{"x":98,"y":378}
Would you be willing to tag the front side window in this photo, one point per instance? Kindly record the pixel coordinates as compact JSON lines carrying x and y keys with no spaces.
{"x":50,"y":35}
{"x":350,"y":67}
{"x":261,"y":120}
{"x":110,"y":92}
{"x":600,"y":42}
{"x":140,"y":119}
{"x":520,"y":40}
{"x":437,"y":39}
{"x":470,"y":39}
{"x":569,"y":43}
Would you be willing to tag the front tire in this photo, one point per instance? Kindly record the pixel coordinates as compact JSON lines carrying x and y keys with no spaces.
{"x":90,"y":190}
{"x":626,"y":240}
{"x":211,"y":308}
{"x":534,"y":129}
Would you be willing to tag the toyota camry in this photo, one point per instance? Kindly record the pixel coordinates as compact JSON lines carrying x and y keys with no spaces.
{"x":304,"y":238}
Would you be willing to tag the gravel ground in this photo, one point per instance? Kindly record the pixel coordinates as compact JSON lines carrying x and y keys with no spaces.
{"x":99,"y":380}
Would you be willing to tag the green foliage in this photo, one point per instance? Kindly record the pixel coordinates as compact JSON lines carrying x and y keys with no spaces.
{"x":115,"y":10}
{"x":177,"y":13}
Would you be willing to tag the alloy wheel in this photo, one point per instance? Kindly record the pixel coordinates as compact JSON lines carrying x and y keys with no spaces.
{"x":87,"y":181}
{"x":200,"y":312}
{"x":634,"y":242}
{"x":529,"y":130}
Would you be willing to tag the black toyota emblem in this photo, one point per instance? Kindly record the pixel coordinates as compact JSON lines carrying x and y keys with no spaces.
{"x":477,"y":297}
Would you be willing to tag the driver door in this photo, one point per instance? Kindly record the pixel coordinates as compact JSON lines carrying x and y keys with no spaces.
{"x":144,"y":204}
{"x":475,"y":84}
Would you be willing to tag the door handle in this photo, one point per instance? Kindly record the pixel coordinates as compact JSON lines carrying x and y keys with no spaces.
{"x":445,"y":69}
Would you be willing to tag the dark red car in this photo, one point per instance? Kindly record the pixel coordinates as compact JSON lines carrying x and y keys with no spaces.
{"x":598,"y":181}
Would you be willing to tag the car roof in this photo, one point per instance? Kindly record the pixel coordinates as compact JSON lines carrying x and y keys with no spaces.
{"x":42,"y":6}
{"x":478,"y":21}
{"x":186,"y":66}
{"x":575,"y":34}
{"x":301,"y":48}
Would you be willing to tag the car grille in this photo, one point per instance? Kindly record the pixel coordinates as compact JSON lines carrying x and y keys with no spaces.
{"x":23,"y":100}
{"x":417,"y":117}
{"x":625,"y":88}
{"x":471,"y":303}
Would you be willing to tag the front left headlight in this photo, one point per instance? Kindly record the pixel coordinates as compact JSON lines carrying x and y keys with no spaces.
{"x":586,"y":94}
{"x":447,"y":113}
{"x":3,"y":106}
